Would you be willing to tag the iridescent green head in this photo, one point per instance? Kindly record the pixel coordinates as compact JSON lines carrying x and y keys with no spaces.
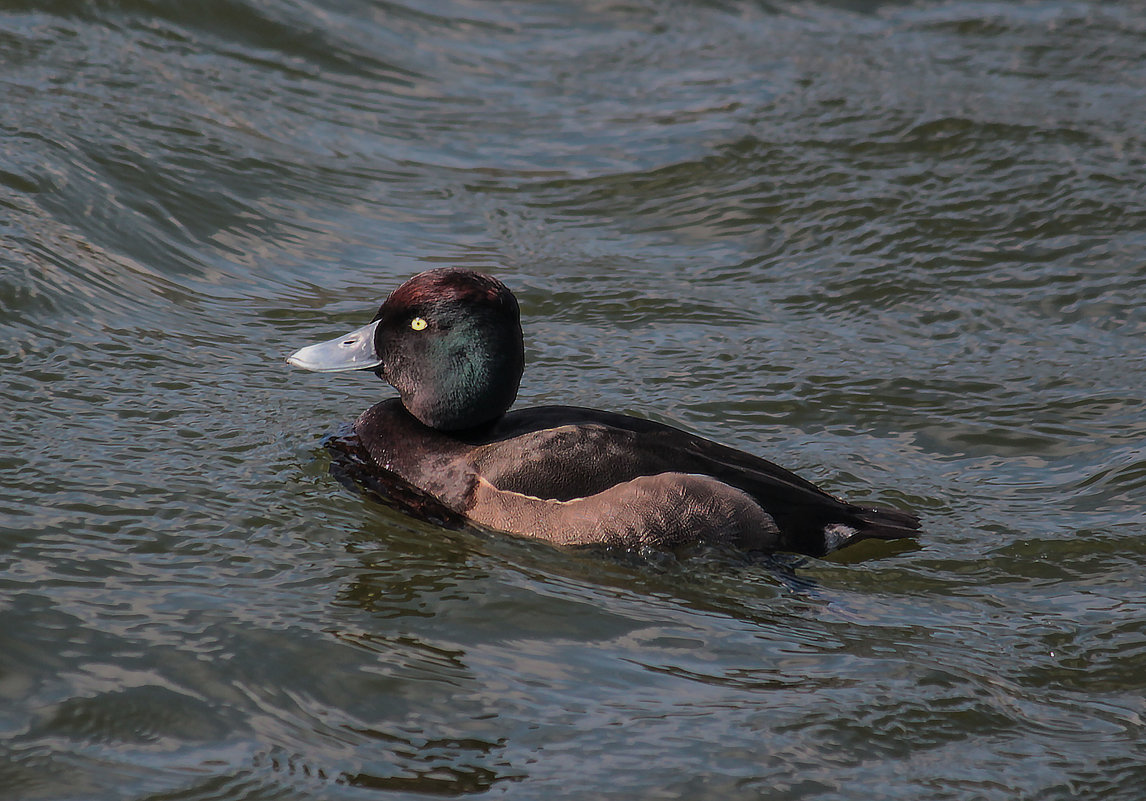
{"x":449,"y":340}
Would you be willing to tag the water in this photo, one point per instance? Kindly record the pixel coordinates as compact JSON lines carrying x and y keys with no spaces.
{"x":897,"y":247}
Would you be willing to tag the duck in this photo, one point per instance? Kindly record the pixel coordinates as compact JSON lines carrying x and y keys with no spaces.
{"x":450,"y":341}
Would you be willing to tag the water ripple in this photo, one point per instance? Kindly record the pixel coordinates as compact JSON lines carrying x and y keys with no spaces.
{"x":894,"y":247}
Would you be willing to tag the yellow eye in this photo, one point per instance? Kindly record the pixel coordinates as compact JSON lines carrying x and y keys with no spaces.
{"x":418,"y":323}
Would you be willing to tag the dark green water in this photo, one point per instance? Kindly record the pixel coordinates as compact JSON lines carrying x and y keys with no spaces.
{"x":899,"y":248}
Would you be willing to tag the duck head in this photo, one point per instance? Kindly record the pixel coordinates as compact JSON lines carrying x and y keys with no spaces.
{"x":449,"y":340}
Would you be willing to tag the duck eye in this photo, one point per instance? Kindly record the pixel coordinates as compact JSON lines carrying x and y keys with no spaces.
{"x":418,"y":323}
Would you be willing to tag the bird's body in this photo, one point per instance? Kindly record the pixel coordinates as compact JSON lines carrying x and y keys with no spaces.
{"x":450,"y":341}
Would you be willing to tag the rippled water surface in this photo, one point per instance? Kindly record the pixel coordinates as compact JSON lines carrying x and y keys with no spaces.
{"x":897,"y":247}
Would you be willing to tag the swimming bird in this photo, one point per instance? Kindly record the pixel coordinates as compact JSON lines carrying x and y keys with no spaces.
{"x":450,"y":341}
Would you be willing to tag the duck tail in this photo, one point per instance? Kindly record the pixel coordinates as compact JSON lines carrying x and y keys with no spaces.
{"x":888,"y":524}
{"x":871,"y":524}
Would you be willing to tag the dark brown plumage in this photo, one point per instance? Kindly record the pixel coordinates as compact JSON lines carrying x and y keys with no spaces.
{"x":450,"y":341}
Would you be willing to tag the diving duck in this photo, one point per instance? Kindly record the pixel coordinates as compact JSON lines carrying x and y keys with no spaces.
{"x":450,"y":341}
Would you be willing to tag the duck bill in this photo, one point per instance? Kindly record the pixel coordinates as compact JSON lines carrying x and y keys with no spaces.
{"x":353,"y":351}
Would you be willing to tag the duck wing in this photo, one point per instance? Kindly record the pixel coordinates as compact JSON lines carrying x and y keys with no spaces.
{"x":568,"y":453}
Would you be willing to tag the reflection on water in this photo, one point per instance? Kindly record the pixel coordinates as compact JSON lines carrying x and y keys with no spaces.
{"x":894,"y":247}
